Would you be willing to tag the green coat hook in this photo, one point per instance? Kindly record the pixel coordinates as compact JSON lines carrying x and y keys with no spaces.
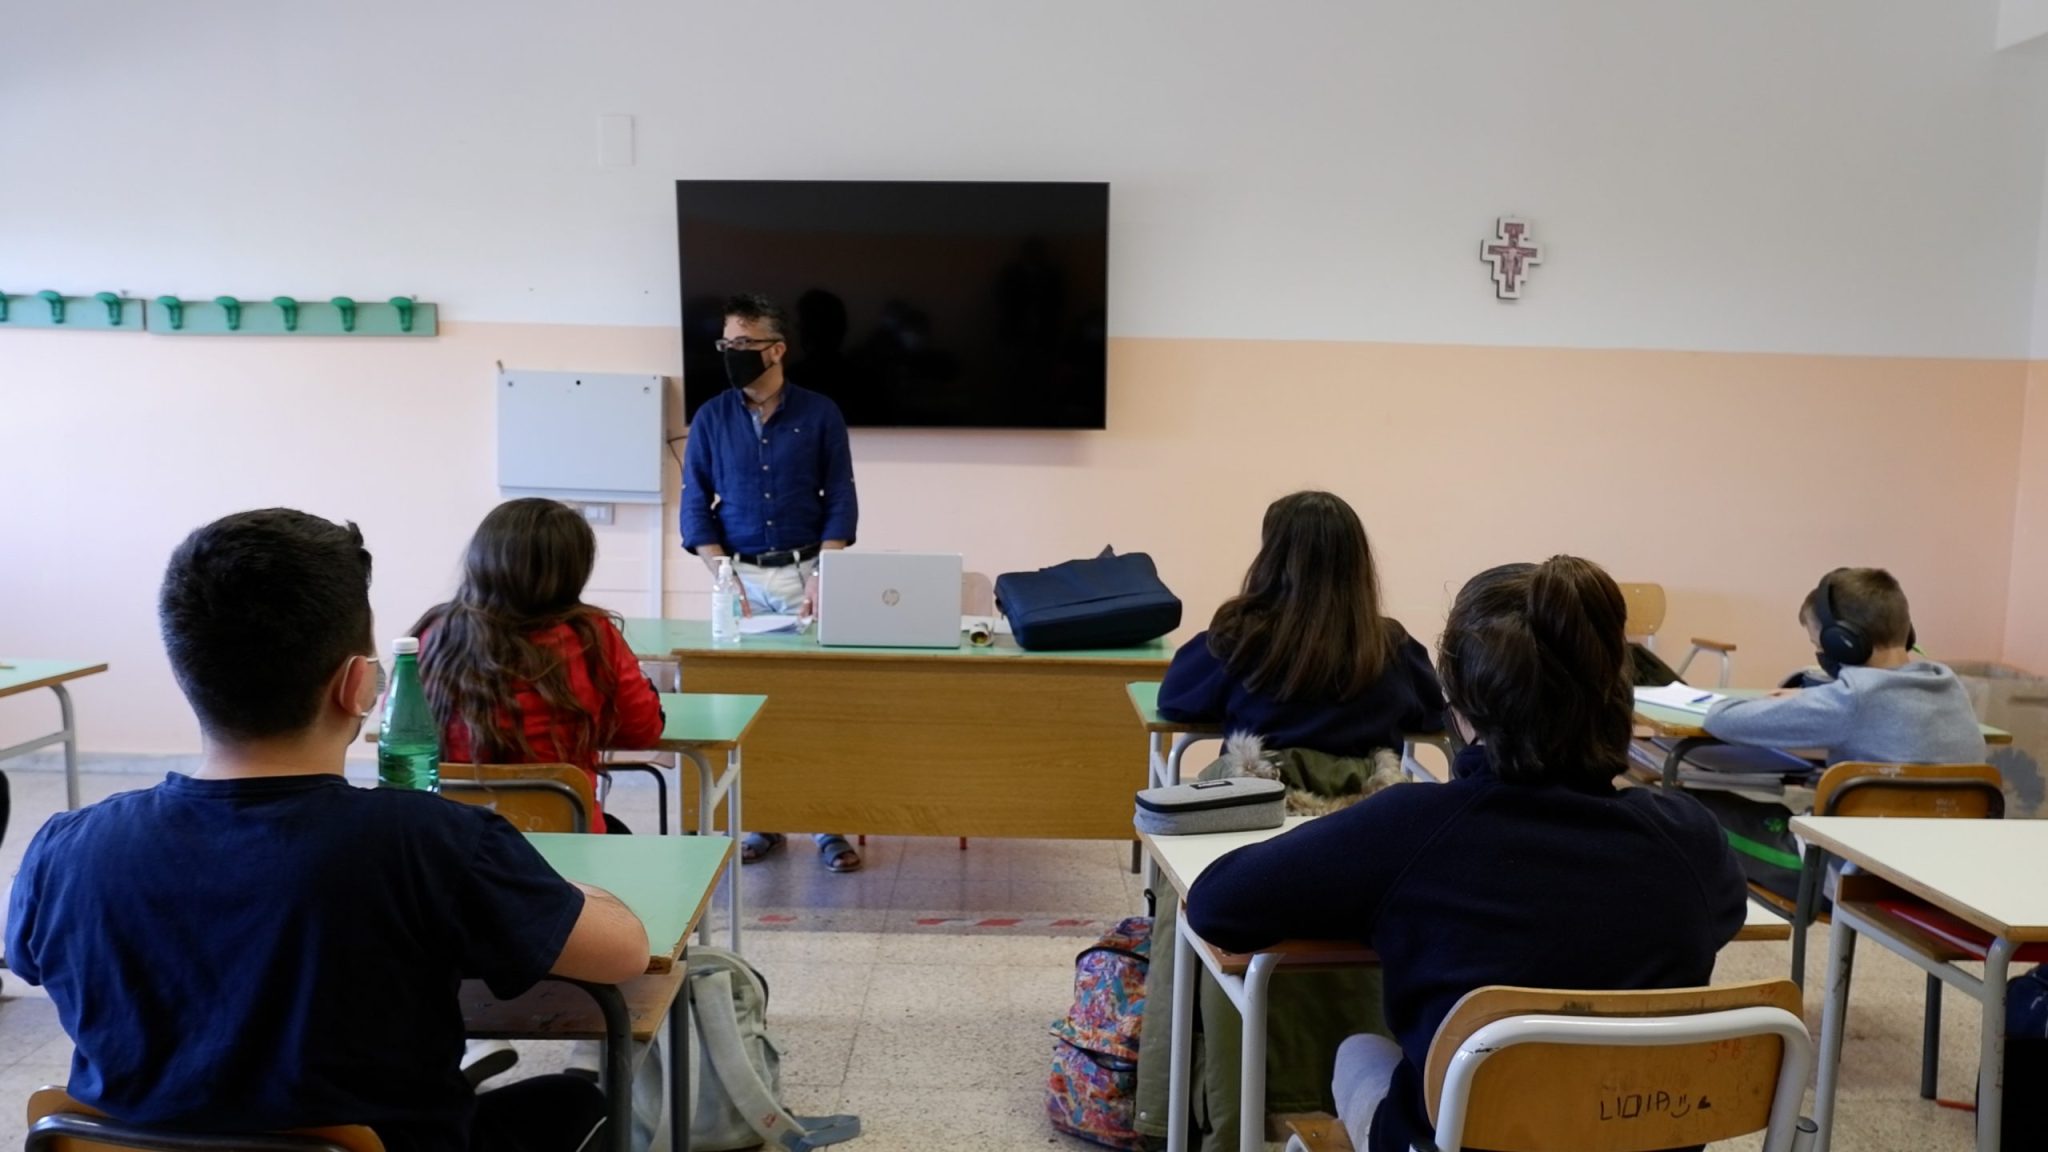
{"x":404,"y":305}
{"x":233,"y":309}
{"x":56,"y":302}
{"x":113,"y":304}
{"x":347,"y":308}
{"x":173,"y":308}
{"x":290,"y":308}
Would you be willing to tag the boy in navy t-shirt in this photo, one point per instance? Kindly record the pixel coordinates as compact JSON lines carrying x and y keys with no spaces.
{"x":261,"y":946}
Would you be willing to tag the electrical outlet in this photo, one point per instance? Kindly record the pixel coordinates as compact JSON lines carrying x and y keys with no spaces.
{"x":599,"y":514}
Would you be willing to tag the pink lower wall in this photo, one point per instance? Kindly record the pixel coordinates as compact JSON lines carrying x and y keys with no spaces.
{"x":1733,"y":479}
{"x":2026,"y":625}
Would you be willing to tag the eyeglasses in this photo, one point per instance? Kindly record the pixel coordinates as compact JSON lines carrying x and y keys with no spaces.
{"x":747,"y":343}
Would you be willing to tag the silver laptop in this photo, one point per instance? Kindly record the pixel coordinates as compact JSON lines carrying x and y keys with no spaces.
{"x":888,"y":600}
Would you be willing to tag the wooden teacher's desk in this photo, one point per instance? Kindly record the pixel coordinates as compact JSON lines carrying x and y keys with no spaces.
{"x":968,"y":741}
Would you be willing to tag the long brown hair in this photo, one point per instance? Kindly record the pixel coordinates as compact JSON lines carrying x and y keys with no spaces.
{"x":1307,"y":625}
{"x":1535,"y":658}
{"x":523,"y":574}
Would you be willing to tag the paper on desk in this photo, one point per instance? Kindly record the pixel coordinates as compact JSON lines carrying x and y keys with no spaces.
{"x":1683,"y":697}
{"x":766,"y":625}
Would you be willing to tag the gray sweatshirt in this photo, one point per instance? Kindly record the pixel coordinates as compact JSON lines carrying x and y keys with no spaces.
{"x":1917,"y":714}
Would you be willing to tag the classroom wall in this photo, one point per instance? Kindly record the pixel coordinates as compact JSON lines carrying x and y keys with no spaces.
{"x":1839,"y":176}
{"x":2026,"y":631}
{"x":1709,"y":472}
{"x":1783,"y":323}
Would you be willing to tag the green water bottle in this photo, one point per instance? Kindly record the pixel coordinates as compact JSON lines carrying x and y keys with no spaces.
{"x":409,"y":748}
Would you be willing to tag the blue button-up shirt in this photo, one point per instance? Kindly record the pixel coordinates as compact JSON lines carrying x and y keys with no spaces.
{"x":783,"y":485}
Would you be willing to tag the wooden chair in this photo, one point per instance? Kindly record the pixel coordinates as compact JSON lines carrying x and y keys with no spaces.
{"x":1619,"y":1071}
{"x":57,"y":1123}
{"x":1646,"y":605}
{"x":534,"y":797}
{"x":1537,"y":1069}
{"x":1936,"y":791}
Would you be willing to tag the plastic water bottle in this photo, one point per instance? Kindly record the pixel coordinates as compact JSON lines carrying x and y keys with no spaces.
{"x":725,"y":606}
{"x":409,"y":748}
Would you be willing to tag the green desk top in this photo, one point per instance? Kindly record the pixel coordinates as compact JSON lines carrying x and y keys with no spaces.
{"x":664,"y":639}
{"x":24,"y":675}
{"x":1145,"y":698}
{"x":706,"y":719}
{"x":665,"y":880}
{"x":1679,"y":723}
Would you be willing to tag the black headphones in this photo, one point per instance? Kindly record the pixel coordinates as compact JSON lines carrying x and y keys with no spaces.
{"x":1842,"y":641}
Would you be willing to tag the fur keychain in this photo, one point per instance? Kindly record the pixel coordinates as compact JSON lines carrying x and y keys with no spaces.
{"x":1244,"y":754}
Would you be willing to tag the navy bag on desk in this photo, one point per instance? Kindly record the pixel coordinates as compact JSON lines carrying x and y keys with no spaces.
{"x":1110,"y":601}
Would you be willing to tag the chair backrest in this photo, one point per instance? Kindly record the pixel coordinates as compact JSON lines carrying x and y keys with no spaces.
{"x":1645,"y":611}
{"x":1516,"y":1069}
{"x":534,"y":797}
{"x":1958,"y":791}
{"x":57,"y":1123}
{"x":977,"y":594}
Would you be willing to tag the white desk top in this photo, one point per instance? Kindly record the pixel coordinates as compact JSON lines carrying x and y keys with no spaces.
{"x":1182,"y":859}
{"x":1988,"y":872}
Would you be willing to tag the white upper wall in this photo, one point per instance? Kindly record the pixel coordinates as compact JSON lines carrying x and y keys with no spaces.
{"x":1841,"y":176}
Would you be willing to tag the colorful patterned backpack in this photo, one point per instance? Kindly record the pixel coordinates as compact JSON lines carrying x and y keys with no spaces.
{"x":1093,"y":1092}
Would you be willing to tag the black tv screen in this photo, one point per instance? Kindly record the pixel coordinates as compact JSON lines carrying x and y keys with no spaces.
{"x":917,"y":304}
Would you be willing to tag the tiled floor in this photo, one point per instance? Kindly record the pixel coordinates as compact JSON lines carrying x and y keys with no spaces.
{"x":893,"y":1000}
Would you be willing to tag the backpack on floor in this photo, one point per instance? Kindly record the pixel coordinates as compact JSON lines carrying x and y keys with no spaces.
{"x":1093,"y":1091}
{"x":738,"y":1070}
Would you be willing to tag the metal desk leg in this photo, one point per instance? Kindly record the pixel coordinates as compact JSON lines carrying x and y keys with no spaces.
{"x":704,"y":807}
{"x":618,"y":1063}
{"x":1672,"y":760}
{"x":1833,"y":1023}
{"x":1187,"y":971}
{"x":1251,"y":1119}
{"x":1155,"y":769}
{"x":709,"y":791}
{"x":70,"y":747}
{"x":679,"y":1098}
{"x":732,"y":822}
{"x":1991,"y":1057}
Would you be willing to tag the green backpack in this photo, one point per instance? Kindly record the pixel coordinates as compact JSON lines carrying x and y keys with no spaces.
{"x":737,"y":1076}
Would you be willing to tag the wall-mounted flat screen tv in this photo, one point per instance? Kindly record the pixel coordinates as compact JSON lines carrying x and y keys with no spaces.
{"x":916,"y":304}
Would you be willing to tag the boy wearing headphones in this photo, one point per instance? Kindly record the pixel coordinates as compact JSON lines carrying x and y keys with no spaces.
{"x":1885,"y":704}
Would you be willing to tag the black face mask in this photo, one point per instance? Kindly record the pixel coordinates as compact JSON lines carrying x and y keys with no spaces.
{"x":743,"y":366}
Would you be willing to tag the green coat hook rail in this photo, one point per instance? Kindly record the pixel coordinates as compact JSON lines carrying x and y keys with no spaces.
{"x":291,"y":316}
{"x":49,"y":308}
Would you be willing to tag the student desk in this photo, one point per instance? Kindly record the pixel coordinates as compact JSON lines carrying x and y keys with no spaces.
{"x":1245,"y":978}
{"x":699,"y":725}
{"x":667,"y":882}
{"x":1985,"y":873}
{"x":1687,"y":731}
{"x":17,"y":676}
{"x":965,"y":741}
{"x":1164,"y":758}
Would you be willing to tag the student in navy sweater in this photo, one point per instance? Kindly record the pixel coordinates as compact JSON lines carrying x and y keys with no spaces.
{"x":1302,"y":656}
{"x":1529,"y":868}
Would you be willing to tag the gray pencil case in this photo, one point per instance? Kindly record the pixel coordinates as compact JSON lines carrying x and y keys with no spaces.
{"x":1232,"y":804}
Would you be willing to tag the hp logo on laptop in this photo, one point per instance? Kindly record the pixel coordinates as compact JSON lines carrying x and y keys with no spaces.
{"x":890,"y":597}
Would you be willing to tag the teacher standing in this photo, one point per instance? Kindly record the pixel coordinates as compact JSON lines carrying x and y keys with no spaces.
{"x":768,"y":481}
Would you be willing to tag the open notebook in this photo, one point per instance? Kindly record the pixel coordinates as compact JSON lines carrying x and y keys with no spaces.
{"x":1683,"y":697}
